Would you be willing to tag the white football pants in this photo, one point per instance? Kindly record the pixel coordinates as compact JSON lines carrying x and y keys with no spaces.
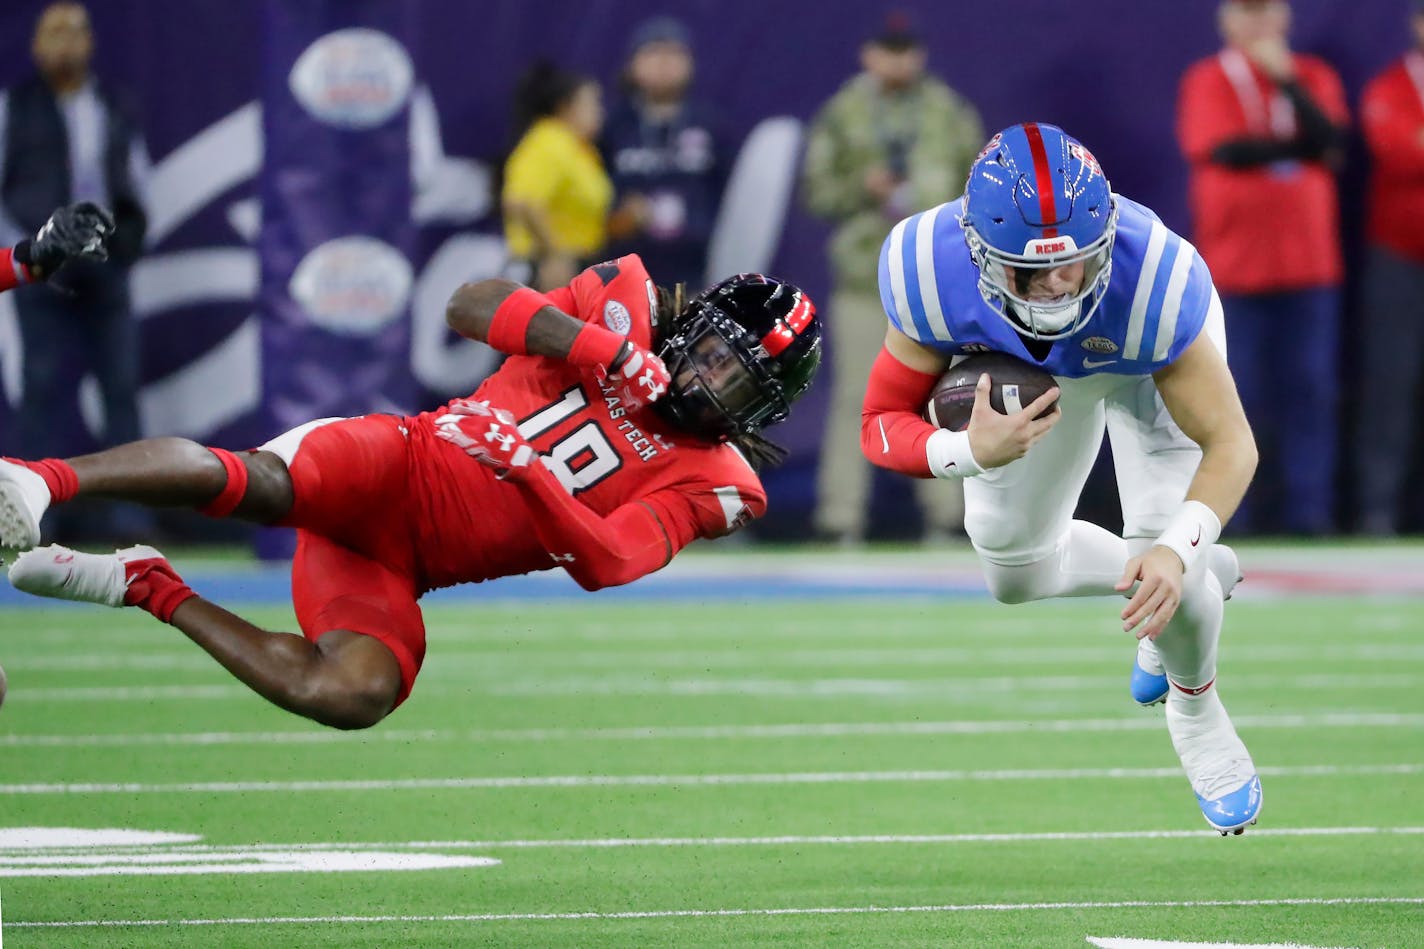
{"x":1020,"y":516}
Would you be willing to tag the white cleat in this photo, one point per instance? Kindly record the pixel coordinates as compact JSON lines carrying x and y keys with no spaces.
{"x":23,"y":500}
{"x":63,"y":574}
{"x":1220,"y":769}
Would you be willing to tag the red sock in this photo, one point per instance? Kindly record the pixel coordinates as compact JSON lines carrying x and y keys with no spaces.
{"x":155,"y":586}
{"x":61,"y":480}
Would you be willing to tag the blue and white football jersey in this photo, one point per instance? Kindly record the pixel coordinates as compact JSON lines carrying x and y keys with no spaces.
{"x":1155,"y":305}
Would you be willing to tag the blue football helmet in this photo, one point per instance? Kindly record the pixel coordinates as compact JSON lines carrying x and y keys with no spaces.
{"x":1036,"y":199}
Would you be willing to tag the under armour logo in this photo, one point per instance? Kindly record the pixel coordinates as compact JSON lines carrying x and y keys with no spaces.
{"x":649,"y":381}
{"x":495,"y":435}
{"x":562,"y":558}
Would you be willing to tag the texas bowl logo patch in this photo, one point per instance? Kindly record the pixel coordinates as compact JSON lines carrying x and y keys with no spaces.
{"x":1099,"y":344}
{"x":617,"y":318}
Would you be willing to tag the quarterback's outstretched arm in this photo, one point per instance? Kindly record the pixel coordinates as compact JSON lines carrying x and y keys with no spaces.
{"x":1200,"y":394}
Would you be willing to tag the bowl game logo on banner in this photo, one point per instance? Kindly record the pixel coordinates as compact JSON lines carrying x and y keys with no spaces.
{"x":352,"y":285}
{"x":354,"y":78}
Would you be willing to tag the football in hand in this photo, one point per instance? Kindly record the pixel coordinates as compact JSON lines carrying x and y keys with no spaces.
{"x":1013,"y":385}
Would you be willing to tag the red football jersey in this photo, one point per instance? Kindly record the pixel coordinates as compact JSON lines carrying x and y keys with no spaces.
{"x":471,"y":526}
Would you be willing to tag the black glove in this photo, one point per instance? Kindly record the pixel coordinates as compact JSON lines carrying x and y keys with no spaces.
{"x":79,"y":230}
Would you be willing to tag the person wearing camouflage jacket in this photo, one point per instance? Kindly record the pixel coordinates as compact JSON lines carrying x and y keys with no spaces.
{"x":893,"y":140}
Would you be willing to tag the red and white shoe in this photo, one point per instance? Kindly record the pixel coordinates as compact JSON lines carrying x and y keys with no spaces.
{"x":23,"y":500}
{"x":63,"y":574}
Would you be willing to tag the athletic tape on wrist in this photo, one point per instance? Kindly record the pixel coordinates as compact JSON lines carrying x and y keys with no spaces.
{"x":1193,"y":529}
{"x":509,"y":326}
{"x":950,"y":456}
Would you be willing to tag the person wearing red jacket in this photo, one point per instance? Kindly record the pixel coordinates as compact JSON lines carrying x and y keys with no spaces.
{"x":623,"y":426}
{"x":1262,"y":128}
{"x":1392,"y":364}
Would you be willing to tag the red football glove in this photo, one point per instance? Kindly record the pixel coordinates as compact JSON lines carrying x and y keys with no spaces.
{"x":488,"y":435}
{"x":641,"y":379}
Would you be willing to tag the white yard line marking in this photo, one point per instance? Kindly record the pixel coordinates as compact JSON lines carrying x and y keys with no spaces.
{"x":131,"y":693}
{"x":889,"y":655}
{"x":700,"y":913}
{"x":944,"y":688}
{"x":1107,"y":942}
{"x":683,"y":780}
{"x":615,"y":843}
{"x":1152,"y":723}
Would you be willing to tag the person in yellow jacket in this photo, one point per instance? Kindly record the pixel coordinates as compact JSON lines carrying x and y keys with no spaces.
{"x":556,"y":193}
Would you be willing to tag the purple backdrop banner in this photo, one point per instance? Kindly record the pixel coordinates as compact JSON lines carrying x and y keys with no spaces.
{"x":214,"y":79}
{"x":336,"y":233}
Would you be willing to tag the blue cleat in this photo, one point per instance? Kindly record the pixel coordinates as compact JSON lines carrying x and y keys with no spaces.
{"x":1222,"y":775}
{"x":1149,"y":683}
{"x":1232,"y":813}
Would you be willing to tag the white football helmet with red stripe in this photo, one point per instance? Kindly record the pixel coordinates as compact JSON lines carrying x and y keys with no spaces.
{"x":739,"y":353}
{"x":1038,"y":200}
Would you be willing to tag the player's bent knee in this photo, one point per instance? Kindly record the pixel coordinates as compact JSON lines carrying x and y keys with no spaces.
{"x":991,"y":532}
{"x":268,"y":495}
{"x":356,"y":683}
{"x":1014,"y":584}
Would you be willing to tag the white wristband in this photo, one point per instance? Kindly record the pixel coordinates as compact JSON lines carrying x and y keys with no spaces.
{"x":949,"y":455}
{"x":1193,"y":529}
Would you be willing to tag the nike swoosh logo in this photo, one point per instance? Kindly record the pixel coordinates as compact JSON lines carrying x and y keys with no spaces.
{"x":884,"y":442}
{"x":1198,"y":540}
{"x":1097,"y":363}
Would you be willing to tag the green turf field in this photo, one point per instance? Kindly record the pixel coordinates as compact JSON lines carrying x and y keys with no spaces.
{"x":857,"y":773}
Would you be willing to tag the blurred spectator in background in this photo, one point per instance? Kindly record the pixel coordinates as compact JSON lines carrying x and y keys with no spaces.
{"x":1262,"y":128}
{"x":1392,"y":113}
{"x":64,"y":138}
{"x":556,"y":194}
{"x":668,"y":157}
{"x":891,"y":141}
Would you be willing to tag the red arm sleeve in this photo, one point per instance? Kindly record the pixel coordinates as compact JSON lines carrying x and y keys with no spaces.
{"x":596,"y":551}
{"x":892,"y":433}
{"x":642,"y":536}
{"x":9,"y":271}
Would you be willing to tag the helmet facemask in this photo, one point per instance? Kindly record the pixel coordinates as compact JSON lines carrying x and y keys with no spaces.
{"x":1006,"y":294}
{"x":722,"y":385}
